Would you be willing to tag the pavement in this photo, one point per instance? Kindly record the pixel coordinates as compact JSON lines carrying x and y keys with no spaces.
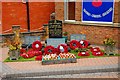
{"x":103,"y":67}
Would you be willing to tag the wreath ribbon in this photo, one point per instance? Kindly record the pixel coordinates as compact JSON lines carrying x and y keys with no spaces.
{"x":84,"y":44}
{"x":65,"y":47}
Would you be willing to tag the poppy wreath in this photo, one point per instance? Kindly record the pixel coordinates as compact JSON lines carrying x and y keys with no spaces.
{"x":27,"y":55}
{"x":85,"y":44}
{"x":30,"y":54}
{"x":64,"y":46}
{"x":38,"y":58}
{"x":74,"y":44}
{"x":97,"y":53}
{"x":36,"y":53}
{"x":37,"y":45}
{"x":24,"y":55}
{"x":96,"y":49}
{"x":22,"y":51}
{"x":56,"y":51}
{"x":83,"y":54}
{"x":49,"y":50}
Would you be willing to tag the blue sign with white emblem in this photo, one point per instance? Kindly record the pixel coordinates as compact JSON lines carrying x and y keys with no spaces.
{"x":97,"y":10}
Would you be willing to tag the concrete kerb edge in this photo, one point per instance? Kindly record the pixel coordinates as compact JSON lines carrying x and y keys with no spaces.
{"x":59,"y":73}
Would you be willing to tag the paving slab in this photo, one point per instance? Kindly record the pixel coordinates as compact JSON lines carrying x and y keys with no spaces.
{"x":35,"y":68}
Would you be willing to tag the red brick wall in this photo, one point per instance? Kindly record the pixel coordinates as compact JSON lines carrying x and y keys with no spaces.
{"x":0,"y":17}
{"x":40,"y":13}
{"x":94,"y":33}
{"x":59,"y":10}
{"x":15,"y":13}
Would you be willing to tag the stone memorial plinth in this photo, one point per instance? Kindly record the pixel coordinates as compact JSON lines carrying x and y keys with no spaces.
{"x":55,"y":29}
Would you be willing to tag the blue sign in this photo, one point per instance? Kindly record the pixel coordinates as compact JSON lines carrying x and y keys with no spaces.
{"x":97,"y":10}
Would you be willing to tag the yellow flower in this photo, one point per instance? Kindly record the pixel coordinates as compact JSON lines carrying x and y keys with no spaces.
{"x":11,"y":47}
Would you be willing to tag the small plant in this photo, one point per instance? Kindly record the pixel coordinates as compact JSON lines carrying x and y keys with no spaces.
{"x":83,"y":50}
{"x":65,"y":33}
{"x":109,"y":42}
{"x":76,"y":50}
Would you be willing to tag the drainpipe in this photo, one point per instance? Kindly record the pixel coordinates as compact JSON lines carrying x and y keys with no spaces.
{"x":28,"y":15}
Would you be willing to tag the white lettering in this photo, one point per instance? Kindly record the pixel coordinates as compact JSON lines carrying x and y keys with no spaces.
{"x":107,"y":12}
{"x":86,"y":12}
{"x":96,"y":16}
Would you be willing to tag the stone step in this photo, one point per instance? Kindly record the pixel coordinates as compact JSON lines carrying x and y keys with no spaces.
{"x":112,"y":75}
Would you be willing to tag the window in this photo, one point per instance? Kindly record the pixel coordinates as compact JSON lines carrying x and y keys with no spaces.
{"x":24,"y":1}
{"x":69,"y":10}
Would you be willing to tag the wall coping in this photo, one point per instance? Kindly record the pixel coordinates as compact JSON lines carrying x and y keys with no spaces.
{"x":10,"y":34}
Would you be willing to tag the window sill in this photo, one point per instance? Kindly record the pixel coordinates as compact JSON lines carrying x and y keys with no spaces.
{"x":117,"y":25}
{"x":70,"y":21}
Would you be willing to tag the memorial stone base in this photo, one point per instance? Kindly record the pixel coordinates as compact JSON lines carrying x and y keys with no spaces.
{"x":14,"y":54}
{"x":62,"y":61}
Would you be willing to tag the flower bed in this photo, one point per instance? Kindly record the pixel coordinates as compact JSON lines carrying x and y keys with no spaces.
{"x":21,"y":59}
{"x":51,"y":55}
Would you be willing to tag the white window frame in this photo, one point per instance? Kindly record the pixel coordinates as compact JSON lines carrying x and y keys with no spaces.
{"x":24,"y":1}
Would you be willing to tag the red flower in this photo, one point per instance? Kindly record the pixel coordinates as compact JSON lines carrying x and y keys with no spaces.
{"x":56,"y":51}
{"x":96,"y":49}
{"x":83,"y":54}
{"x":37,"y":53}
{"x":83,"y":44}
{"x":39,"y":58}
{"x":37,"y":45}
{"x":65,"y":47}
{"x":24,"y":55}
{"x":74,"y":44}
{"x":22,"y":51}
{"x":49,"y":50}
{"x":97,"y":53}
{"x":31,"y":54}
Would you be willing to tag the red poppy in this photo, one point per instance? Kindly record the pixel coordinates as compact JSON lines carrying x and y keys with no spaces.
{"x":37,"y":45}
{"x":31,"y":54}
{"x":65,"y":47}
{"x":97,"y":53}
{"x":38,"y":58}
{"x":83,"y":44}
{"x":56,"y":51}
{"x":37,"y":53}
{"x":96,"y":49}
{"x":22,"y":51}
{"x":83,"y":54}
{"x":30,"y":49}
{"x":49,"y":50}
{"x":24,"y":55}
{"x":74,"y":44}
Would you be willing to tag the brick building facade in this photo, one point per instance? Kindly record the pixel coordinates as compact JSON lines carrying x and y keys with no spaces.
{"x":15,"y":13}
{"x":95,"y":33}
